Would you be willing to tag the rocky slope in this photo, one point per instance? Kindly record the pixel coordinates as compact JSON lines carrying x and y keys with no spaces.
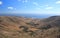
{"x":20,"y":27}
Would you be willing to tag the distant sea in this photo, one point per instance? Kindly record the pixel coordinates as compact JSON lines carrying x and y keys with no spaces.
{"x":29,"y":15}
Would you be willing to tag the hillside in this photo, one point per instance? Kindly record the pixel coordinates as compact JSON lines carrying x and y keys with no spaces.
{"x":21,"y":27}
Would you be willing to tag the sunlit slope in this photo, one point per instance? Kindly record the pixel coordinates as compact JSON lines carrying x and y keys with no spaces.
{"x":21,"y":27}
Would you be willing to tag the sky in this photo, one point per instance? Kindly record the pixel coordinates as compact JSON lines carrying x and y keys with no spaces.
{"x":30,"y":7}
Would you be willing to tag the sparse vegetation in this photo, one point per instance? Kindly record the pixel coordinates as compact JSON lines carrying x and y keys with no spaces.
{"x":45,"y":27}
{"x":32,"y":24}
{"x":11,"y":27}
{"x":24,"y":28}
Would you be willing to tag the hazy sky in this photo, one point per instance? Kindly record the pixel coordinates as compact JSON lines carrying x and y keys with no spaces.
{"x":30,"y":6}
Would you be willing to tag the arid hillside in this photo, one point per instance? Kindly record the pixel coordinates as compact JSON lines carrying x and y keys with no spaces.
{"x":21,"y":27}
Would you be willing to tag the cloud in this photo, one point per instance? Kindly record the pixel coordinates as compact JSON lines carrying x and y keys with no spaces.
{"x":49,"y":8}
{"x":11,"y":8}
{"x":35,"y":3}
{"x":46,"y":5}
{"x":38,"y":8}
{"x":25,"y":1}
{"x":58,"y":2}
{"x":1,"y":2}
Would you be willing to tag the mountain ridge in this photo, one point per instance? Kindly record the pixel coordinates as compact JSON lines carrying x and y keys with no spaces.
{"x":21,"y":27}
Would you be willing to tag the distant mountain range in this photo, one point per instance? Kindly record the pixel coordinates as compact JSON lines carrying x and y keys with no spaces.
{"x":29,"y":15}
